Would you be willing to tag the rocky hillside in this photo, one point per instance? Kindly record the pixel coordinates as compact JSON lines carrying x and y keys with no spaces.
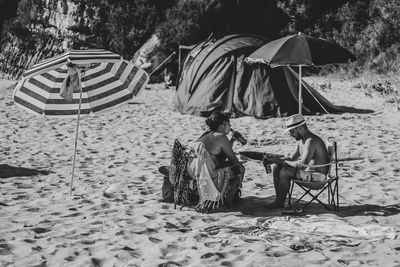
{"x":44,"y":28}
{"x":49,"y":23}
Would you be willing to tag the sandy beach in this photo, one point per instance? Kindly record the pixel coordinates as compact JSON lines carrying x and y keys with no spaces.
{"x":42,"y":226}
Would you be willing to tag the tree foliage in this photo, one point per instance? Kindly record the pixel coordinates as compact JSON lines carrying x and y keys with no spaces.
{"x":369,"y":28}
{"x":121,"y":26}
{"x":184,"y":25}
{"x":8,"y":10}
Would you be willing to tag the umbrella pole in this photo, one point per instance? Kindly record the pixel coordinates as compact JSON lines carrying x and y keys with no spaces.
{"x":76,"y":144}
{"x":300,"y":97}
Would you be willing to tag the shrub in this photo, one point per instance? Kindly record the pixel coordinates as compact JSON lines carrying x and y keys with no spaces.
{"x":184,"y":25}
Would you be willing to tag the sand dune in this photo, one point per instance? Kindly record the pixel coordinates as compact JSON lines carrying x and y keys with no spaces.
{"x":116,"y":219}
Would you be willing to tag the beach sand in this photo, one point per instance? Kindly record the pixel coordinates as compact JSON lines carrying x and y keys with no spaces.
{"x":42,"y":226}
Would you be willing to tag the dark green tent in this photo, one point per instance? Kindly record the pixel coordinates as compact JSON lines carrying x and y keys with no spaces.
{"x":214,"y":76}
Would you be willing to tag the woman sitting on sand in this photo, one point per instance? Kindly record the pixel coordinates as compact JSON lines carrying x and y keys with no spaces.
{"x":216,"y":168}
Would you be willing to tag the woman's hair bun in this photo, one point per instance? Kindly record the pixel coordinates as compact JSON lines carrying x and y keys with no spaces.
{"x":216,"y":119}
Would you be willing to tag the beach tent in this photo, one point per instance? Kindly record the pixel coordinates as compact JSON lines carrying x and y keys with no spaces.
{"x":213,"y":76}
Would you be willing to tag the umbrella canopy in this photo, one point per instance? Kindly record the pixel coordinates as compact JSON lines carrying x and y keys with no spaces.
{"x":77,"y":57}
{"x":79,"y":82}
{"x":104,"y":86}
{"x":301,"y":50}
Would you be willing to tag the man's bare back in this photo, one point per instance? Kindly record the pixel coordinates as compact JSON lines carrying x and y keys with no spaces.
{"x":318,"y":154}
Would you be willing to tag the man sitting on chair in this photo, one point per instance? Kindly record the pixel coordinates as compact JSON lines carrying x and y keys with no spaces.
{"x":310,"y":150}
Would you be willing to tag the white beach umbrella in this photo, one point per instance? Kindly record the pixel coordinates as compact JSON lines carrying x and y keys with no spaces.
{"x":79,"y":83}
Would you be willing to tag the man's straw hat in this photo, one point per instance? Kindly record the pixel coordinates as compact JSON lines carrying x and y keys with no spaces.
{"x":294,"y":121}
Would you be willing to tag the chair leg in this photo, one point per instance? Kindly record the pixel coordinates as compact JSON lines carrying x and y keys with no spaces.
{"x":334,"y":194}
{"x":306,"y":192}
{"x":329,"y":194}
{"x":290,"y":194}
{"x":314,"y":197}
{"x":337,"y":194}
{"x":332,"y":188}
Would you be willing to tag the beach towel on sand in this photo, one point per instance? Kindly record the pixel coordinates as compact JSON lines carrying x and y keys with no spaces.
{"x":214,"y":185}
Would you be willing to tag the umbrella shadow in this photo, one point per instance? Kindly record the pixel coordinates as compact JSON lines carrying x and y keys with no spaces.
{"x":256,"y":207}
{"x":7,"y":171}
{"x":252,"y":206}
{"x":341,"y":110}
{"x":355,"y":210}
{"x":344,"y":109}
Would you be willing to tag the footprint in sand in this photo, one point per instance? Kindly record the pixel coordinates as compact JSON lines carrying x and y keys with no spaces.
{"x":96,"y":262}
{"x":150,"y":216}
{"x":70,"y":258}
{"x":277,"y":251}
{"x":41,"y":230}
{"x":301,"y":247}
{"x":32,"y":209}
{"x":215,"y":256}
{"x":75,"y":214}
{"x":261,"y":186}
{"x":88,"y":242}
{"x":212,"y":244}
{"x":5,"y":249}
{"x":213,"y":230}
{"x":18,"y":197}
{"x":153,"y":226}
{"x":210,"y":219}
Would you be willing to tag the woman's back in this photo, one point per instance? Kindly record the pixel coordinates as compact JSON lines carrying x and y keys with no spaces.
{"x":212,"y":142}
{"x":216,"y":141}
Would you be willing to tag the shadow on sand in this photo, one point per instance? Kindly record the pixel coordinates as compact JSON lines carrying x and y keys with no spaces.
{"x":345,"y":109}
{"x":256,"y":207}
{"x":7,"y":171}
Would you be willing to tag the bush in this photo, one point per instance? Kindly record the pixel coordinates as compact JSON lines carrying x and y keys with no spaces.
{"x":130,"y":25}
{"x":184,"y":25}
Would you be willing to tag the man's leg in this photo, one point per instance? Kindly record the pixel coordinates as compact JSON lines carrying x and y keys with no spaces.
{"x":281,"y":176}
{"x":276,"y":169}
{"x":285,"y":175}
{"x":241,"y":176}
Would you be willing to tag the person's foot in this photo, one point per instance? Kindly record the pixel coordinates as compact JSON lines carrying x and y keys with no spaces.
{"x":236,"y":198}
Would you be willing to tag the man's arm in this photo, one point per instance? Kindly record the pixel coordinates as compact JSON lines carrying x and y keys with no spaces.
{"x":295,"y":153}
{"x":308,"y":152}
{"x":290,"y":157}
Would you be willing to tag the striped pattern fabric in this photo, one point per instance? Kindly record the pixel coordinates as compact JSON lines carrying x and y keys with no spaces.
{"x":77,"y":57}
{"x":105,"y":86}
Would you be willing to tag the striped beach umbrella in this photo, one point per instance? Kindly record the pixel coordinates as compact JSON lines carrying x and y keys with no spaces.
{"x":78,"y":83}
{"x":107,"y":81}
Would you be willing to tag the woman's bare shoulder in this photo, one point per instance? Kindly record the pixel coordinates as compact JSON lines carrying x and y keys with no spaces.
{"x":220,"y":137}
{"x":216,"y":134}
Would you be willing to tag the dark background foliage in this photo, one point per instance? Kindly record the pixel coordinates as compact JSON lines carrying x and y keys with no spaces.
{"x":369,"y":28}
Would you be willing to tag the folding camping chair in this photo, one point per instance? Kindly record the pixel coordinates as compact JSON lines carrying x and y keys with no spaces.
{"x":184,"y":193}
{"x":330,"y":184}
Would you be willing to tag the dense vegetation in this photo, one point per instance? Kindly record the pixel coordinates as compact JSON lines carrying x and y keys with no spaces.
{"x":369,"y":28}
